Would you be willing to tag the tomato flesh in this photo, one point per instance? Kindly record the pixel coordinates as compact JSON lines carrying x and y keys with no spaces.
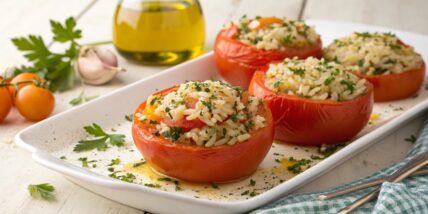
{"x":313,"y":122}
{"x":200,"y":164}
{"x":237,"y":61}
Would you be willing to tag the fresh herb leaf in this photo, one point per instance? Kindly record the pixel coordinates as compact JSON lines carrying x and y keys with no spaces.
{"x":57,"y":68}
{"x":85,"y":162}
{"x":67,"y":32}
{"x":86,"y":145}
{"x":42,"y":191}
{"x":99,"y":143}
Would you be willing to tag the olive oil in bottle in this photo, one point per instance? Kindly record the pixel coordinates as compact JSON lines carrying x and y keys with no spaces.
{"x":159,"y":32}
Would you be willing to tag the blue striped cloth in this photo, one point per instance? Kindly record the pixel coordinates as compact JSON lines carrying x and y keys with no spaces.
{"x":409,"y":196}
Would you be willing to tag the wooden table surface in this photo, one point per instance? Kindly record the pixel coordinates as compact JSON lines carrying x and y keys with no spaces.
{"x":95,"y":19}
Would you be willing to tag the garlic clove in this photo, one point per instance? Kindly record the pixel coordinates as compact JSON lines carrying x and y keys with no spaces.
{"x":97,"y":65}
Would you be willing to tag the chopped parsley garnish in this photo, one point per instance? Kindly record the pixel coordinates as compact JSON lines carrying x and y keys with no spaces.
{"x":234,"y":117}
{"x":128,"y":117}
{"x":327,"y":150}
{"x":253,"y":193}
{"x":42,"y":191}
{"x":288,"y":39}
{"x":378,"y":71}
{"x":114,"y":162}
{"x":246,"y":192}
{"x":209,"y":105}
{"x":390,"y":61}
{"x":277,"y":84}
{"x":214,"y":185}
{"x":128,"y":177}
{"x":298,"y":71}
{"x":395,"y":46}
{"x":360,"y":63}
{"x":298,"y":165}
{"x":164,"y":179}
{"x":349,"y":85}
{"x":329,"y":80}
{"x":252,"y":182}
{"x":173,"y":133}
{"x":63,"y":157}
{"x":85,"y":162}
{"x":152,"y":185}
{"x":139,"y":163}
{"x":411,"y":139}
{"x":364,"y":34}
{"x":100,"y":141}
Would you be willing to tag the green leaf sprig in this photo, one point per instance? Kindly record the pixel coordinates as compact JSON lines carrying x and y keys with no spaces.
{"x":57,"y":68}
{"x":100,"y":140}
{"x":42,"y":191}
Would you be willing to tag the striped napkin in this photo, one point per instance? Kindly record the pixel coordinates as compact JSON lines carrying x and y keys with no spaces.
{"x":409,"y":196}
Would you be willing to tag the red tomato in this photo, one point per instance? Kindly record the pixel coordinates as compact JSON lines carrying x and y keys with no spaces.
{"x":5,"y":102}
{"x":396,"y":86}
{"x":34,"y":103}
{"x":199,"y":164}
{"x":237,"y":61}
{"x":313,"y":122}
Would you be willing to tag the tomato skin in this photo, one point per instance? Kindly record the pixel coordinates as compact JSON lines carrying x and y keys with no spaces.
{"x":5,"y":102}
{"x":396,"y":86}
{"x":34,"y":103}
{"x":237,"y":61}
{"x":199,"y":164}
{"x":21,"y":78}
{"x":314,"y":122}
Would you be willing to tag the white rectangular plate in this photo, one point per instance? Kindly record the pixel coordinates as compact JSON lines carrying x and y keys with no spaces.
{"x":57,"y":135}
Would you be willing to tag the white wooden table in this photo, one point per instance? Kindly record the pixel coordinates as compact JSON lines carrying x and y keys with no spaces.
{"x":95,"y":19}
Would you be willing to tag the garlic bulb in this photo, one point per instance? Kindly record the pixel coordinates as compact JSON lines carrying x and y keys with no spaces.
{"x":97,"y":65}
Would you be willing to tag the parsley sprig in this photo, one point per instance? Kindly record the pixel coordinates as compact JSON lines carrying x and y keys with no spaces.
{"x":100,"y":140}
{"x":57,"y":68}
{"x":42,"y":191}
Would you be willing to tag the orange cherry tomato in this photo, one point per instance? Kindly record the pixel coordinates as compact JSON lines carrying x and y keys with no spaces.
{"x":237,"y":61}
{"x":396,"y":86}
{"x":313,"y":122}
{"x":5,"y":102}
{"x":22,"y":78}
{"x":34,"y":103}
{"x":199,"y":164}
{"x":258,"y":24}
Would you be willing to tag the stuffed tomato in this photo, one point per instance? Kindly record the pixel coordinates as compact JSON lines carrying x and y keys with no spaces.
{"x":203,"y":132}
{"x":314,"y":102}
{"x":394,"y":68}
{"x":241,"y":48}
